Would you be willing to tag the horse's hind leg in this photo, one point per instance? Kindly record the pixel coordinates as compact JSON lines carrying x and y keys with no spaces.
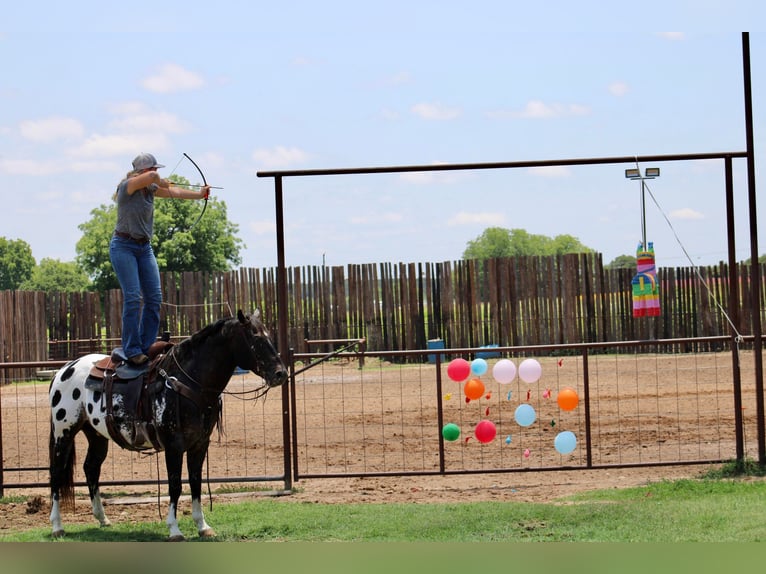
{"x":62,"y":460}
{"x":98,"y":446}
{"x":194,"y":461}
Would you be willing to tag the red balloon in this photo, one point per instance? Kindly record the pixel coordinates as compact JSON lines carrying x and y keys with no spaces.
{"x":458,"y":370}
{"x":485,"y":431}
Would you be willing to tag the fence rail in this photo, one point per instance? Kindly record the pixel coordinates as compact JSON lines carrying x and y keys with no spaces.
{"x":565,"y":299}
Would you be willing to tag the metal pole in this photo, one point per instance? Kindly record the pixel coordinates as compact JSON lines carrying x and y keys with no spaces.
{"x":282,"y":318}
{"x":643,"y":214}
{"x":755,"y":267}
{"x":734,"y":304}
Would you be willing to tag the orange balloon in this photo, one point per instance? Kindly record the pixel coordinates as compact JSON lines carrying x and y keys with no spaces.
{"x":473,"y":389}
{"x":568,"y":399}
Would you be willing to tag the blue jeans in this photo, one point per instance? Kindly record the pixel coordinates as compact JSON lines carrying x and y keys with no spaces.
{"x":139,"y":276}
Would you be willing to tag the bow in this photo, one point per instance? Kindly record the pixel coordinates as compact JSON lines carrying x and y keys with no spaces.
{"x":204,"y":183}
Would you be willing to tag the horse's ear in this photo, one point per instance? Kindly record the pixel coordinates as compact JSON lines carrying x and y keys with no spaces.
{"x":241,"y":317}
{"x":257,"y":314}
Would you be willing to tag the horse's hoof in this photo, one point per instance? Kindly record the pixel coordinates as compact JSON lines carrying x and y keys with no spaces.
{"x":176,"y":538}
{"x":57,"y":533}
{"x":207,"y":533}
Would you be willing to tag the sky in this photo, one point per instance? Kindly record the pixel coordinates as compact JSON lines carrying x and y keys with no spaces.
{"x":253,"y":86}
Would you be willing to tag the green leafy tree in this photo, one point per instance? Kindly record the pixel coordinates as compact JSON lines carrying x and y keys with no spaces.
{"x":501,"y":242}
{"x":54,"y":275}
{"x":16,"y":262}
{"x":622,"y":262}
{"x":210,"y":245}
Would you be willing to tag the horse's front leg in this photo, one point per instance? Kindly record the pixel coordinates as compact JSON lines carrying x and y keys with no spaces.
{"x":194,"y":460}
{"x":173,"y":464}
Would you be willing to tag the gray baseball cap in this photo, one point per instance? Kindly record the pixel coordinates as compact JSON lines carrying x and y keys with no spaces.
{"x":145,"y":161}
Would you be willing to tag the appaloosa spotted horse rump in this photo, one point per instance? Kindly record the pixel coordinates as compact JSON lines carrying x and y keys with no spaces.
{"x":176,"y":412}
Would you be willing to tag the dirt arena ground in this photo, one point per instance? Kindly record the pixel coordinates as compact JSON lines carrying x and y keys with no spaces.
{"x":374,"y":420}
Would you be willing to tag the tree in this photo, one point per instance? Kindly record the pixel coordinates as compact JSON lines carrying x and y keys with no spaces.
{"x":211,"y":245}
{"x":16,"y":262}
{"x":54,"y":275}
{"x":622,"y":262}
{"x":500,"y":242}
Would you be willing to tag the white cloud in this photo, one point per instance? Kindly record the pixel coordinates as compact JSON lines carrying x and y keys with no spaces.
{"x":389,"y":114}
{"x":51,"y":129}
{"x":435,"y":111}
{"x":672,"y":35}
{"x":550,"y":171}
{"x":97,"y":146}
{"x":394,"y":80}
{"x":279,"y":157}
{"x":29,"y":167}
{"x":263,"y":227}
{"x":149,"y":122}
{"x":172,"y":78}
{"x":537,"y":109}
{"x":618,"y":88}
{"x":387,"y":217}
{"x":481,"y":218}
{"x":686,"y":213}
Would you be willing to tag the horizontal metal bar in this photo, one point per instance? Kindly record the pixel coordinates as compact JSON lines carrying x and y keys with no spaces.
{"x":394,"y":474}
{"x":501,"y":165}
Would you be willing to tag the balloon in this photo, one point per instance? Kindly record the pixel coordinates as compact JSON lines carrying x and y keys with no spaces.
{"x":530,"y":371}
{"x":567,"y":399}
{"x":458,"y":370}
{"x":478,"y":367}
{"x":473,"y":389}
{"x":525,"y":415}
{"x":451,"y":432}
{"x":565,"y":442}
{"x":485,"y":431}
{"x":504,"y":371}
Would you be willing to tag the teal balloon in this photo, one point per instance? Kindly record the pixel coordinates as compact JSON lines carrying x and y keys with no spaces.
{"x":565,"y":442}
{"x":451,"y":432}
{"x":525,"y":415}
{"x":478,"y":367}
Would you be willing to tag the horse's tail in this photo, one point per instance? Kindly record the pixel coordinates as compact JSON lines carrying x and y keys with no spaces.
{"x":65,"y":475}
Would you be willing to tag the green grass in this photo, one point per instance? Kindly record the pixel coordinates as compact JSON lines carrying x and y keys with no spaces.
{"x":704,"y":510}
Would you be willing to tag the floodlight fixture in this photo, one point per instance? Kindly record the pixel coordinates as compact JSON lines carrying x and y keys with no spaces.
{"x":649,"y":173}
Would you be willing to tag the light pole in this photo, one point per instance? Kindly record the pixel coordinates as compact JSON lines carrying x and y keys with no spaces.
{"x":649,"y":173}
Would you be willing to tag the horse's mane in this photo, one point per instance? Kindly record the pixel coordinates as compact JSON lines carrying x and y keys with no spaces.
{"x":199,"y":338}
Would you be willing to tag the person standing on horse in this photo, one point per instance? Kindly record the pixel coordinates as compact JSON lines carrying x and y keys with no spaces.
{"x":131,"y":254}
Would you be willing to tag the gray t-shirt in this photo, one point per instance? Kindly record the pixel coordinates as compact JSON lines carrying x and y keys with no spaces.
{"x":135,"y":213}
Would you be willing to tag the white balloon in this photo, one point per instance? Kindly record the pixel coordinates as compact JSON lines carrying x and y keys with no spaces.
{"x":504,"y":371}
{"x":530,"y":371}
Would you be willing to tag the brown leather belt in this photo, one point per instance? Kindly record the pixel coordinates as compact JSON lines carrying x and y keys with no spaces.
{"x":122,"y":235}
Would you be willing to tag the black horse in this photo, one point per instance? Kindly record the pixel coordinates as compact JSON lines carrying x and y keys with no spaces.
{"x":174,"y":410}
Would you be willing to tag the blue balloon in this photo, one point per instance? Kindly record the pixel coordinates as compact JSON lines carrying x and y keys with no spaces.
{"x":525,"y":415}
{"x":565,"y":442}
{"x":478,"y":367}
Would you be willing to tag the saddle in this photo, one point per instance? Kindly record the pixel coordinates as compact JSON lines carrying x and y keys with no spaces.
{"x":136,"y":384}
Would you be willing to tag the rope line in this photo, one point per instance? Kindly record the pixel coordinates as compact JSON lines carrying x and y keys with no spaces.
{"x":739,"y":338}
